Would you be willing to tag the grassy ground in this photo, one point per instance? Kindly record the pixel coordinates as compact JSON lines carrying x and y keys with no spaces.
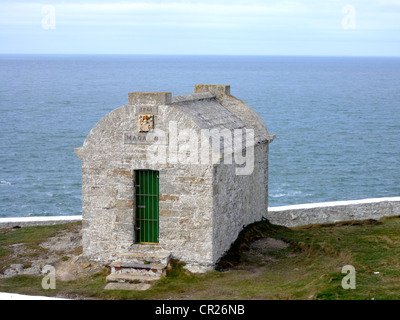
{"x":309,"y":268}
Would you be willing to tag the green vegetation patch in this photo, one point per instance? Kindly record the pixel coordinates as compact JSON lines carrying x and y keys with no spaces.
{"x":309,"y":266}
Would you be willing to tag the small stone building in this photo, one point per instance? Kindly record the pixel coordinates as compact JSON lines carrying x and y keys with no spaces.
{"x":178,"y":176}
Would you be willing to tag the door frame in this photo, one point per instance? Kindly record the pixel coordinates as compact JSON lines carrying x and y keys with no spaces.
{"x":147,"y":218}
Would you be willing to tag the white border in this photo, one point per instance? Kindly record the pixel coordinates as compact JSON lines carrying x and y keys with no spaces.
{"x":40,"y":219}
{"x":331,"y":204}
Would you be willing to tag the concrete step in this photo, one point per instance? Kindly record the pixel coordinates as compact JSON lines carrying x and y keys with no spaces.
{"x":137,"y":268}
{"x":127,"y":286}
{"x":132,"y":278}
{"x":146,"y":258}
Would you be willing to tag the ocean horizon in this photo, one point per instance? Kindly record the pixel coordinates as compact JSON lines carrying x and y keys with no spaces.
{"x":336,"y":120}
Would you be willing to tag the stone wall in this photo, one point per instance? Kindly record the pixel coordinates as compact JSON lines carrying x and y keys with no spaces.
{"x":238,"y":200}
{"x":108,"y":208}
{"x":329,"y":212}
{"x":186,"y":213}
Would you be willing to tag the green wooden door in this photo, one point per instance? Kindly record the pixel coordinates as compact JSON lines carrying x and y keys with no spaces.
{"x":147,"y":191}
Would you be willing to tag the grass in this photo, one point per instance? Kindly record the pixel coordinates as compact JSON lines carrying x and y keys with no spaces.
{"x":310,"y":268}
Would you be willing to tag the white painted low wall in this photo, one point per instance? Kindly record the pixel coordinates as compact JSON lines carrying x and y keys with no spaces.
{"x":328,"y":212}
{"x":289,"y":216}
{"x":36,"y":221}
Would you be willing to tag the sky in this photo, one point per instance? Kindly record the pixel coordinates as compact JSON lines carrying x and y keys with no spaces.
{"x":205,"y":27}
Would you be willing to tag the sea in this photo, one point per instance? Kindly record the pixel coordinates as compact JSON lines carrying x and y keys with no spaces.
{"x":336,"y":120}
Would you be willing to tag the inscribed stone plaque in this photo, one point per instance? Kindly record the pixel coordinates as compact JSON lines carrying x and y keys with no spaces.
{"x":146,"y":110}
{"x":144,"y":138}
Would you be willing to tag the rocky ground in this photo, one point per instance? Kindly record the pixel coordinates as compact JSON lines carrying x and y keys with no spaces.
{"x":63,"y":252}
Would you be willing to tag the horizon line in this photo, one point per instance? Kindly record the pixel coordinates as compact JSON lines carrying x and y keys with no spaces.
{"x":200,"y":55}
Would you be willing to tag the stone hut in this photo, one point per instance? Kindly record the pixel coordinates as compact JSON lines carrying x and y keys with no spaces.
{"x":173,"y":176}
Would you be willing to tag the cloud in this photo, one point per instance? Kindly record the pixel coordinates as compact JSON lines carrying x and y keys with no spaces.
{"x":184,"y":13}
{"x":204,"y":14}
{"x":207,"y":24}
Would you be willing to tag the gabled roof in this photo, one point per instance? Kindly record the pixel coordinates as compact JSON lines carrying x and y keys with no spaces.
{"x":212,"y":107}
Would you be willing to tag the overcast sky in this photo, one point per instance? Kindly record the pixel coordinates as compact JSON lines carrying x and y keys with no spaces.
{"x":237,"y":27}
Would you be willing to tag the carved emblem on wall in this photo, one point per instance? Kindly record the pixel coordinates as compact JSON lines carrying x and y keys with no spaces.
{"x":146,"y":122}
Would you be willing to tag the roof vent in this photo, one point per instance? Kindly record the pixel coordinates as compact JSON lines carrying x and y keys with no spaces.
{"x":217,"y":89}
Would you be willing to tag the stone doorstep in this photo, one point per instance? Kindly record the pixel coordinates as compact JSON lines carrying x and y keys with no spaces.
{"x":127,"y":286}
{"x":118,"y":264}
{"x":132,"y":273}
{"x":141,"y":257}
{"x":135,"y":268}
{"x":132,"y":278}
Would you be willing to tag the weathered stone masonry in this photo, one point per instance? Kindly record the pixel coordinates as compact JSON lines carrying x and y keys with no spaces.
{"x":202,"y":205}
